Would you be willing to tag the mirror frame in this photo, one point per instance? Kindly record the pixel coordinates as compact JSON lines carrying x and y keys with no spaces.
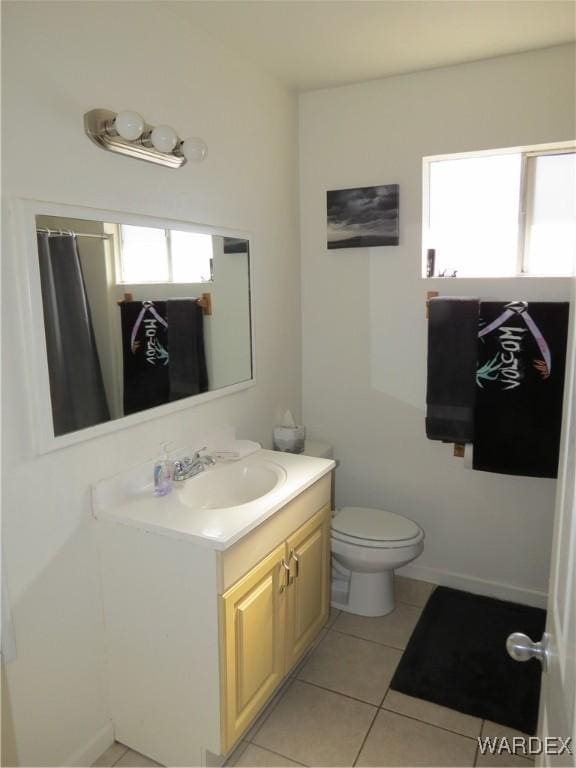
{"x":32,"y":320}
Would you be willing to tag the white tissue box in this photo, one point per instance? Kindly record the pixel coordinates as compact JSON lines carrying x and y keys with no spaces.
{"x":289,"y":439}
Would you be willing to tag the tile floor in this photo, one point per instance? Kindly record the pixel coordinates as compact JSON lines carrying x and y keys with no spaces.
{"x":337,"y":709}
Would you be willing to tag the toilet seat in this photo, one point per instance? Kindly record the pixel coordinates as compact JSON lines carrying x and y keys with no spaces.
{"x":365,"y":527}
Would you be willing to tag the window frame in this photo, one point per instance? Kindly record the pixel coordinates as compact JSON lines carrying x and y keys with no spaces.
{"x":524,"y":209}
{"x":168,"y":236}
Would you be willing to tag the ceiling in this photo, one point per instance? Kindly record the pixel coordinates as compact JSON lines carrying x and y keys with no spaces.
{"x":311,"y":44}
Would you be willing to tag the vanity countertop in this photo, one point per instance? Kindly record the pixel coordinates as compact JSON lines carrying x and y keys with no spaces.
{"x":214,"y":528}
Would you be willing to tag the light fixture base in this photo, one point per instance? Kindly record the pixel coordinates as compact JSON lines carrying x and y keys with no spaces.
{"x":95,"y":126}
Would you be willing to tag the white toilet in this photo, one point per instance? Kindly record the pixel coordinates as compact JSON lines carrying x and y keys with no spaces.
{"x":367,"y":546}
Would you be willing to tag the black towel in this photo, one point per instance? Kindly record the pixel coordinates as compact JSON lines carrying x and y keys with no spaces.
{"x":452,"y":333}
{"x":520,"y":382}
{"x":188,"y":373}
{"x":145,"y":354}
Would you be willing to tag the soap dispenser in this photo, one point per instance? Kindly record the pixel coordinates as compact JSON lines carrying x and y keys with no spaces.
{"x":163,"y":473}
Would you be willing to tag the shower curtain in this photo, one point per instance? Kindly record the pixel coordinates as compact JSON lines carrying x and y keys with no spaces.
{"x":76,"y":384}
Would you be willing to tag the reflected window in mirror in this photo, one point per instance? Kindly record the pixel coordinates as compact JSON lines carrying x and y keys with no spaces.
{"x":151,"y":255}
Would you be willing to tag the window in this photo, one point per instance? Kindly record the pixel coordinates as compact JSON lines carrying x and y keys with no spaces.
{"x":149,"y":255}
{"x":550,"y":246}
{"x":501,"y":214}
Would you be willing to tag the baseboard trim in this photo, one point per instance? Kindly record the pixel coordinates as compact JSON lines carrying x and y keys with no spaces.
{"x":91,"y":751}
{"x":475,"y":585}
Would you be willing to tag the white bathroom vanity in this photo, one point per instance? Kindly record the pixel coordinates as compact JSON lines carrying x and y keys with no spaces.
{"x":212,"y":594}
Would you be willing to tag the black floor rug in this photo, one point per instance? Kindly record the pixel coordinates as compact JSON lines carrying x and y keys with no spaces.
{"x":457,"y":657}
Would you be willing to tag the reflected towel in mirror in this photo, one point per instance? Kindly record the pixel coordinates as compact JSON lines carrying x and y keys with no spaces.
{"x":187,"y":372}
{"x":145,"y":354}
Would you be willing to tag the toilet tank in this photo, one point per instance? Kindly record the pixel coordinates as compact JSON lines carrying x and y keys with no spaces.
{"x":318,"y":449}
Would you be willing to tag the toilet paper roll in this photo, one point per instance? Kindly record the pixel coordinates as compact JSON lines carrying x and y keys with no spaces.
{"x":289,"y":439}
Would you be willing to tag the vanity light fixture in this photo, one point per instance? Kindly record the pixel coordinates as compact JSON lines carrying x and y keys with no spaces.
{"x":164,"y":139}
{"x":128,"y":133}
{"x":129,"y":125}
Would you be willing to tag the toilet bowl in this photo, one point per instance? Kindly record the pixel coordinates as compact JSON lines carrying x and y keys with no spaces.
{"x":367,"y":546}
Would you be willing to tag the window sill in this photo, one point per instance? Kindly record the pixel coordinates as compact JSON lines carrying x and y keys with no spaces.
{"x":521,"y":276}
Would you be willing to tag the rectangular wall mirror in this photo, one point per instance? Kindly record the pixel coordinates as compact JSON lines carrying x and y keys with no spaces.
{"x":139,"y":317}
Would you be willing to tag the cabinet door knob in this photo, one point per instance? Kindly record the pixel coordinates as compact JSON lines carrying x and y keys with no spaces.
{"x":286,"y":570}
{"x":294,"y":556}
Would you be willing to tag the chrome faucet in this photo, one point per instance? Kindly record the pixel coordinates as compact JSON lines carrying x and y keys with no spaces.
{"x":186,"y":467}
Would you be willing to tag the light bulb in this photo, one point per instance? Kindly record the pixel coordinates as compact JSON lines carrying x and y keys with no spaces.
{"x":164,"y":138}
{"x":194,"y":149}
{"x":130,"y":125}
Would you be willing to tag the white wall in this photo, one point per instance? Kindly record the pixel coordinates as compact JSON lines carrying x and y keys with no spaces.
{"x":60,"y":60}
{"x":364,"y":327}
{"x":230,"y":321}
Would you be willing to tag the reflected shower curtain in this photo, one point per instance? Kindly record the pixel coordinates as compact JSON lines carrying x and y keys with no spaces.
{"x":76,"y":384}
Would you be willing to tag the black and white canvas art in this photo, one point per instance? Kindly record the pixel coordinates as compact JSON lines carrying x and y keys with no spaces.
{"x":363,"y":217}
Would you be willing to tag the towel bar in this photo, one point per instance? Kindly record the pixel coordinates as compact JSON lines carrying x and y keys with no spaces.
{"x":205,"y":301}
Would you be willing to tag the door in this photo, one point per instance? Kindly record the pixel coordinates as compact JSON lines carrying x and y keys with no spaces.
{"x":557,"y":703}
{"x":557,"y":649}
{"x":308,"y":556}
{"x":252,"y":616}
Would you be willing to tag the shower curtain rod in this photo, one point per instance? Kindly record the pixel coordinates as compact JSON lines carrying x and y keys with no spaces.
{"x":50,"y":232}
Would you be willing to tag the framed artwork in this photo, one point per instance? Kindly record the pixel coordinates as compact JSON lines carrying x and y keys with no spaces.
{"x":363,"y":217}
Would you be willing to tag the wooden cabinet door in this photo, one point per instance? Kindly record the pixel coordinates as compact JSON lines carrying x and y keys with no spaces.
{"x":252,"y":616}
{"x":308,"y":555}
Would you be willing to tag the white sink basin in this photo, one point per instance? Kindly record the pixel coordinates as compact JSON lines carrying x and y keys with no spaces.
{"x":231,"y":485}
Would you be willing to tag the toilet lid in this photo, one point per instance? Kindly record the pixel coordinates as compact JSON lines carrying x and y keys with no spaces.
{"x":374,"y":525}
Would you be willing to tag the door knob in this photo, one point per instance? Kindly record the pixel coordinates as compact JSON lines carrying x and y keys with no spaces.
{"x":521,"y":648}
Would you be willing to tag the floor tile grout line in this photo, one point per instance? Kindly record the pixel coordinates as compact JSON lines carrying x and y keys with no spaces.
{"x":365,"y":738}
{"x":478,"y":743}
{"x":272,"y":706}
{"x":393,"y":711}
{"x":397,"y":600}
{"x":376,"y":642}
{"x":413,"y":605}
{"x":279,"y":754}
{"x":126,"y":749}
{"x":338,"y":693}
{"x":432,"y":725}
{"x":387,"y":709}
{"x":381,"y":705}
{"x":303,"y":661}
{"x":317,"y":643}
